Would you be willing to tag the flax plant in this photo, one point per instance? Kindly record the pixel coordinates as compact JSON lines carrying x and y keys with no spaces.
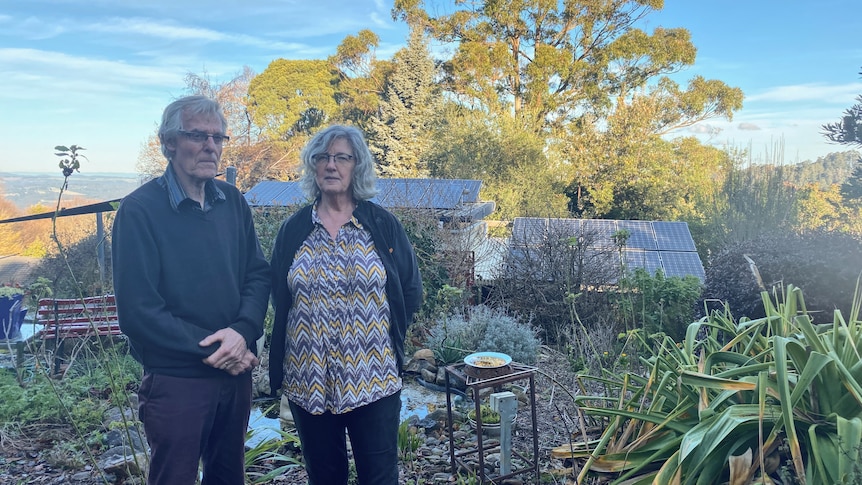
{"x":736,"y":402}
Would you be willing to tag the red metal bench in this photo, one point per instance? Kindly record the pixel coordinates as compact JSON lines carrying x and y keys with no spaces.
{"x":77,"y":317}
{"x":62,"y":319}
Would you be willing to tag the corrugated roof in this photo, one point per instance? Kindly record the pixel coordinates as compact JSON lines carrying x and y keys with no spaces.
{"x":453,"y":199}
{"x":652,"y":245}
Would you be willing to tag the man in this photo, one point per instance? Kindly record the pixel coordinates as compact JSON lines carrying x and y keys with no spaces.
{"x":192,"y":288}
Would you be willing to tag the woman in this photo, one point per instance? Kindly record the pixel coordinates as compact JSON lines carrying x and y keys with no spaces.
{"x":345,"y":286}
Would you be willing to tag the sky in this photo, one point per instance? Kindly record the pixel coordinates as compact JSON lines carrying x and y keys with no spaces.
{"x":97,"y":73}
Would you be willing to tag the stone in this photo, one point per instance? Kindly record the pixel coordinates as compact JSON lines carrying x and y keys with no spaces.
{"x":425,"y":354}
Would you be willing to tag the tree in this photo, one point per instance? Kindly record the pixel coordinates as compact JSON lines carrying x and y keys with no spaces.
{"x":10,"y":240}
{"x":399,"y":136}
{"x":848,"y":131}
{"x":362,"y":77}
{"x":553,"y":62}
{"x":511,"y":162}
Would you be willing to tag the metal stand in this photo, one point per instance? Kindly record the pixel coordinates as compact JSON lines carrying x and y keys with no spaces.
{"x":518,"y":372}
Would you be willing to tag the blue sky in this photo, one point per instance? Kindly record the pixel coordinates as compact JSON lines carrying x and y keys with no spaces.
{"x":98,"y":73}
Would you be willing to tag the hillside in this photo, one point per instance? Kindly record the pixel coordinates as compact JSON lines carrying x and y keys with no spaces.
{"x":28,"y":189}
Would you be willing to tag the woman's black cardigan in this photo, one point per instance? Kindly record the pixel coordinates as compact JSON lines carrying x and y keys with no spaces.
{"x":403,"y":281}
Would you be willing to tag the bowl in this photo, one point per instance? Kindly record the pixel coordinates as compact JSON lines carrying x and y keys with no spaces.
{"x":487,"y":360}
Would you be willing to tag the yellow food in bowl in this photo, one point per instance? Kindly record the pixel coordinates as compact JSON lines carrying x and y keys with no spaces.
{"x":486,"y":361}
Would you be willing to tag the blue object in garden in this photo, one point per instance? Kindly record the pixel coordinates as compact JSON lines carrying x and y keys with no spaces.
{"x":11,"y":316}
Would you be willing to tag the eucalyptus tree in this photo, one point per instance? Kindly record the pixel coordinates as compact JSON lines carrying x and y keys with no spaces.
{"x":584,"y":77}
{"x":361,"y":77}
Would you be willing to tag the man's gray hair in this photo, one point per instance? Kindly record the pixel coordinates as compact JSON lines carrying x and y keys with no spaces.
{"x":172,"y":118}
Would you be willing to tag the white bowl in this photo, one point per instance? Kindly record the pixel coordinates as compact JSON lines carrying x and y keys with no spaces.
{"x":487,"y":360}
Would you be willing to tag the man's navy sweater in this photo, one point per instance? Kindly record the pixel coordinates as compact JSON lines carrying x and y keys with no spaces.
{"x":181,"y":275}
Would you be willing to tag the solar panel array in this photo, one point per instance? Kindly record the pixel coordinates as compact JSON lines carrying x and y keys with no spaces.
{"x":651,"y":245}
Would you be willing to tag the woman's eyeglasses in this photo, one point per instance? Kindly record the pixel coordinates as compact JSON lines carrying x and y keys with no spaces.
{"x":340,"y":158}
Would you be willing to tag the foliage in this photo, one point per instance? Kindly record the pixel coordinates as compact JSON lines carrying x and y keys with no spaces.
{"x":555,"y":262}
{"x":38,"y":403}
{"x":362,"y":77}
{"x":8,"y":291}
{"x":848,"y":131}
{"x":754,"y":199}
{"x":549,"y":62}
{"x":489,"y":416}
{"x":399,"y":135}
{"x":660,"y":304}
{"x":265,"y":461}
{"x":824,"y":264}
{"x":427,"y":237}
{"x":408,"y":441}
{"x":293,"y":97}
{"x":510,"y":161}
{"x":81,"y":257}
{"x":735,"y":398}
{"x":69,"y":158}
{"x":482,"y":328}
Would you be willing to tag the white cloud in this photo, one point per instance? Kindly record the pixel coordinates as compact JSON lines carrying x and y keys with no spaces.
{"x":151,"y":28}
{"x":704,"y":129}
{"x":748,"y":127}
{"x":829,"y":93}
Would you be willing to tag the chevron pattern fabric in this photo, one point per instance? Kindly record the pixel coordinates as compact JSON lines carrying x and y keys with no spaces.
{"x":339,"y":354}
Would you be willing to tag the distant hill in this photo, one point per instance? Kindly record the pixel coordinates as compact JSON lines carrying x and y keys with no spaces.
{"x":28,"y":189}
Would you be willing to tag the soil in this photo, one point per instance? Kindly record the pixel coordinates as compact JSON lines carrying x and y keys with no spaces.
{"x":33,"y":455}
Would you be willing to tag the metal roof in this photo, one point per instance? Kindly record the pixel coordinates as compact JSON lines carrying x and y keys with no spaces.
{"x":453,"y":199}
{"x":651,"y":245}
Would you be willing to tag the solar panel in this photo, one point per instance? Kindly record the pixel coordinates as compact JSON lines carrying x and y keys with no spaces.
{"x":564,"y":227}
{"x":678,"y":263}
{"x":527,"y":230}
{"x":673,"y":236}
{"x":648,"y":260}
{"x":651,"y":245}
{"x":273,"y":192}
{"x":599,"y":232}
{"x":641,"y":234}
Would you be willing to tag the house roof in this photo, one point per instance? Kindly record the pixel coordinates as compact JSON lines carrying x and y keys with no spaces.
{"x":452,"y":199}
{"x":16,"y":270}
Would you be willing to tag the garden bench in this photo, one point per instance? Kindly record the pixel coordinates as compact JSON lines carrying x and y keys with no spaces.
{"x":77,"y":317}
{"x":62,"y":319}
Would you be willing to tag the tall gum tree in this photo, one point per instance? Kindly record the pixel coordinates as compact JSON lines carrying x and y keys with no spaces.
{"x":574,"y":72}
{"x":553,"y":61}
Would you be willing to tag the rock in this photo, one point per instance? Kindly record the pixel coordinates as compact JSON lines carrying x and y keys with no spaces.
{"x":125,"y":465}
{"x":425,"y":354}
{"x":427,"y":375}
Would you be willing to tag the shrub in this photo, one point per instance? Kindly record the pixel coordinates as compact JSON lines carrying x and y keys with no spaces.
{"x":485,"y":329}
{"x":660,"y":304}
{"x":824,"y":265}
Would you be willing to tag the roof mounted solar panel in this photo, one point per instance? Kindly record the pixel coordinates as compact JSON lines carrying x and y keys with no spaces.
{"x":426,"y":193}
{"x":678,"y":263}
{"x":599,"y":232}
{"x":673,"y":236}
{"x":275,"y":193}
{"x":638,"y":258}
{"x":641,"y":234}
{"x":528,"y":231}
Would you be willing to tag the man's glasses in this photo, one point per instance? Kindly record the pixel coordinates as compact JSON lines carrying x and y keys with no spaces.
{"x":340,"y":158}
{"x":201,"y":137}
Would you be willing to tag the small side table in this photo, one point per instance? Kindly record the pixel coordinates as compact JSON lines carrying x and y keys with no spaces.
{"x":519,"y":372}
